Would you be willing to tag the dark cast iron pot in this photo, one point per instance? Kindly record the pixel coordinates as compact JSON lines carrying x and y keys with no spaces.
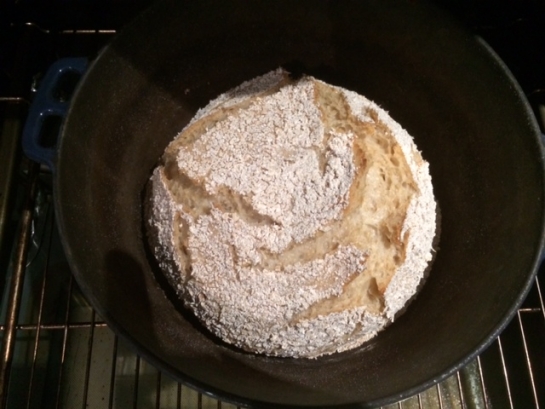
{"x":446,"y":87}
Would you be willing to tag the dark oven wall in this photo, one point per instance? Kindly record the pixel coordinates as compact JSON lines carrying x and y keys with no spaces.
{"x":516,"y":32}
{"x":514,"y":29}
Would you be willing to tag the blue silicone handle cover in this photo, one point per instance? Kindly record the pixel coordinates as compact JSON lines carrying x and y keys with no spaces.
{"x":45,"y":104}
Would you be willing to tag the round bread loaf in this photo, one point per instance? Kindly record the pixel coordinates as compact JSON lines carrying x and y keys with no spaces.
{"x":294,"y":218}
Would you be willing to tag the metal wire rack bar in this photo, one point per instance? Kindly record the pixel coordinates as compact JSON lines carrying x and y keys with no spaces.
{"x":112,"y":374}
{"x":528,"y":362}
{"x":16,"y":287}
{"x":64,"y":340}
{"x":69,"y":326}
{"x":538,"y":286}
{"x":38,"y":328}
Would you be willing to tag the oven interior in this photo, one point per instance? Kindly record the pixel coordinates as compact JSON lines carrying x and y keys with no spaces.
{"x":58,"y":353}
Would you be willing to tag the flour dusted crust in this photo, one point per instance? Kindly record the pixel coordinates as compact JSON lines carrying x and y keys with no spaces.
{"x":294,"y":218}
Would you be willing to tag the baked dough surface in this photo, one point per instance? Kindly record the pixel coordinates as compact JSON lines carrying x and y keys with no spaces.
{"x":294,"y":218}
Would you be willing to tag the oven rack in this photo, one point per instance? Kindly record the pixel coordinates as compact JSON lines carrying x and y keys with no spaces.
{"x":58,"y":353}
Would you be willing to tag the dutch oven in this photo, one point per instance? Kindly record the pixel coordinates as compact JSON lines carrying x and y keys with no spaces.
{"x":445,"y":86}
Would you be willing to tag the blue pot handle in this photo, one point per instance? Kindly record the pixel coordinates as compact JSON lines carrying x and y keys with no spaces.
{"x":46,"y":104}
